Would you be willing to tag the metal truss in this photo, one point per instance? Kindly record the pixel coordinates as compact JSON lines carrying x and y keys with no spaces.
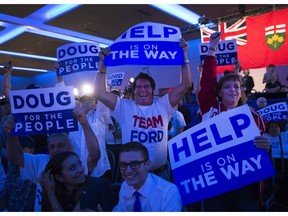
{"x":267,"y":8}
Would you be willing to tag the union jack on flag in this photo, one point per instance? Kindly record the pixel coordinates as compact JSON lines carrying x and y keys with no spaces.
{"x":229,"y":31}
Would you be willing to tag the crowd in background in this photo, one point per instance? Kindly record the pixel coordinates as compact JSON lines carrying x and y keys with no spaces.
{"x":101,"y":168}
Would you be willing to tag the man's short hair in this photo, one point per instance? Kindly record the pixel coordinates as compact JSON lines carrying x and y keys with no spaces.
{"x":135,"y":146}
{"x":281,"y":125}
{"x":63,"y":136}
{"x":144,"y":76}
{"x":27,"y":141}
{"x":86,"y":97}
{"x":271,"y":65}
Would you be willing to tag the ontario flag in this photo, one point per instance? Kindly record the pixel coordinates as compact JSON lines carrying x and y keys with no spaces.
{"x":261,"y":40}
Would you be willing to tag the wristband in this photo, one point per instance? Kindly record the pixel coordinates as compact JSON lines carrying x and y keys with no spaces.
{"x":212,"y":48}
{"x":186,"y":61}
{"x":102,"y":72}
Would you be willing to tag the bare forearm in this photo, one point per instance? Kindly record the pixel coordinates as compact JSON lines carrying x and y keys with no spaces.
{"x":186,"y":72}
{"x":106,"y":97}
{"x":100,"y":87}
{"x":94,"y":153}
{"x":186,"y":79}
{"x":7,"y":84}
{"x":54,"y":203}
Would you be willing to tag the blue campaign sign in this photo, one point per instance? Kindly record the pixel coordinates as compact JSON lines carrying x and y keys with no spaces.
{"x":45,"y":123}
{"x":115,"y":79}
{"x":275,"y":112}
{"x":226,"y":52}
{"x":212,"y":158}
{"x":147,"y":44}
{"x":77,"y":57}
{"x":43,"y":111}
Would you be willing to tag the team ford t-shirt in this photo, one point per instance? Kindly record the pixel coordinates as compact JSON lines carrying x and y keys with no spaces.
{"x":147,"y":125}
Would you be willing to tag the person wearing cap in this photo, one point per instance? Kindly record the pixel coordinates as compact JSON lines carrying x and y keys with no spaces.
{"x":97,"y":115}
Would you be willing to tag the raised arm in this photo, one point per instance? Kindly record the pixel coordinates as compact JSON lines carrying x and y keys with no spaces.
{"x":237,"y":67}
{"x":186,"y":82}
{"x":107,"y":98}
{"x":6,"y":83}
{"x":60,"y":81}
{"x":94,"y":153}
{"x":14,"y":151}
{"x":207,"y":94}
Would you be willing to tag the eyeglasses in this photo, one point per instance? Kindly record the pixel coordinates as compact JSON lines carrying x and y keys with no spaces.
{"x":133,"y":165}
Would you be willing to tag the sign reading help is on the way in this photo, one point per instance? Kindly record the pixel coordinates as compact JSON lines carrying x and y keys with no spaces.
{"x":147,"y":43}
{"x":77,"y":57}
{"x":43,"y":110}
{"x":217,"y":156}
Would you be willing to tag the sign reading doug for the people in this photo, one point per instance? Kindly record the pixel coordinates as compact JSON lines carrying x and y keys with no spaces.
{"x":77,"y":57}
{"x":226,"y":52}
{"x":147,"y":43}
{"x":43,"y":110}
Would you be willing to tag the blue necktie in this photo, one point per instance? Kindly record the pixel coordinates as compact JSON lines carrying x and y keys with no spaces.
{"x":137,"y":203}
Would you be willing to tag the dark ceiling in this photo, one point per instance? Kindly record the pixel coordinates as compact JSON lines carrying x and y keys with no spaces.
{"x":107,"y":21}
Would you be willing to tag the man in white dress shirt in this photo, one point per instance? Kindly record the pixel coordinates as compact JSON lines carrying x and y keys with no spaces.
{"x":156,"y":194}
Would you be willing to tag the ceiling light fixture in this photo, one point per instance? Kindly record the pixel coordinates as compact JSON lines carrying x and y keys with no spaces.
{"x":28,"y":69}
{"x":15,"y":26}
{"x":11,"y":32}
{"x":63,"y":36}
{"x":57,"y":10}
{"x":28,"y":55}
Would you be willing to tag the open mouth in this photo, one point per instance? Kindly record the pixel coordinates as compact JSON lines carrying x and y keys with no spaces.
{"x":142,"y":95}
{"x":130,"y":176}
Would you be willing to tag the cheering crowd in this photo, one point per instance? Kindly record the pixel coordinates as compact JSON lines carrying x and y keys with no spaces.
{"x":77,"y":171}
